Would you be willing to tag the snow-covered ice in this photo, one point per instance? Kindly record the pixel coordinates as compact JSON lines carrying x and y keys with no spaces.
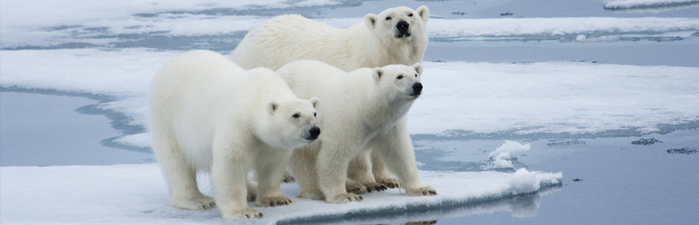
{"x":137,"y":194}
{"x":106,"y":33}
{"x":460,"y":98}
{"x":546,"y":28}
{"x":642,"y":4}
{"x":47,"y":24}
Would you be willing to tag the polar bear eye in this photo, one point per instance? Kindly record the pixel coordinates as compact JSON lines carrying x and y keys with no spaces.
{"x":388,"y":18}
{"x":410,"y":15}
{"x":296,"y":115}
{"x":416,"y":75}
{"x":314,"y":114}
{"x":400,"y":77}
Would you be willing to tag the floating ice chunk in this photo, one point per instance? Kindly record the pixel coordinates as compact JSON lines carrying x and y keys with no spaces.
{"x":580,"y":37}
{"x":503,"y":154}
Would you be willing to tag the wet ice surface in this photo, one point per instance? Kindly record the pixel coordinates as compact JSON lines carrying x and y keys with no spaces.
{"x":576,"y":83}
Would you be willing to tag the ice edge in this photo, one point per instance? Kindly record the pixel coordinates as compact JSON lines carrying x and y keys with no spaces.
{"x":552,"y":180}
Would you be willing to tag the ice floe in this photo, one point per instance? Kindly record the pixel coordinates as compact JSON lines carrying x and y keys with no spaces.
{"x":137,"y":194}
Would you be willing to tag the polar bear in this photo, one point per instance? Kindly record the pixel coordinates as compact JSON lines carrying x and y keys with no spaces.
{"x":207,"y":114}
{"x":362,"y":109}
{"x":395,"y":36}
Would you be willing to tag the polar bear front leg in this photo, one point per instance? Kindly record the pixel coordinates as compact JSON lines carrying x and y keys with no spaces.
{"x":303,"y":167}
{"x":381,"y":173}
{"x":270,"y":165}
{"x":396,"y":149}
{"x":359,"y":170}
{"x":331,"y":167}
{"x":229,"y":176}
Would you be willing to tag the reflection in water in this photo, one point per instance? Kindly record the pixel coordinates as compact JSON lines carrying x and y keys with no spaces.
{"x":520,"y":206}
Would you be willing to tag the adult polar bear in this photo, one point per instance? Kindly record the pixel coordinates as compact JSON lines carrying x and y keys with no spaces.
{"x":362,"y":109}
{"x":395,"y":36}
{"x":206,"y":113}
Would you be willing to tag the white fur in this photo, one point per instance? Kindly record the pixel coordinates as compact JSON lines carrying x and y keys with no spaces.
{"x":373,"y":43}
{"x":362,"y":109}
{"x":288,"y":38}
{"x":207,"y":114}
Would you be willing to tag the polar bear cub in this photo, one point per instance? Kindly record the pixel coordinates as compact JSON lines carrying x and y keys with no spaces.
{"x":395,"y":36}
{"x":207,"y":114}
{"x":362,"y":109}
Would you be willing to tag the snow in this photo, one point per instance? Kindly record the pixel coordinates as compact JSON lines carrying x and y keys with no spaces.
{"x":503,"y":155}
{"x":137,"y":194}
{"x":635,"y":4}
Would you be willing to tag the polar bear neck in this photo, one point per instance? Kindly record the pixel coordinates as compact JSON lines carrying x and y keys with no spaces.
{"x":376,"y":52}
{"x":382,"y":111}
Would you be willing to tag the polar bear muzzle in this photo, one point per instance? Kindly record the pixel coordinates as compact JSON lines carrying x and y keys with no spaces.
{"x":417,"y":89}
{"x":403,"y":29}
{"x":311,"y":134}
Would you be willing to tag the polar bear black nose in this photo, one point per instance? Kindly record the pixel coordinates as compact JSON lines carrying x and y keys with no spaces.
{"x":402,"y":26}
{"x":315,"y":131}
{"x":417,"y":88}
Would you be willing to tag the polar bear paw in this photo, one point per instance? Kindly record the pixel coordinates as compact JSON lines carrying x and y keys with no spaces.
{"x":196,"y":203}
{"x":243,"y":214}
{"x":389,"y":182}
{"x":274,"y":201}
{"x":423,"y":191}
{"x":345,"y":198}
{"x":355,"y":187}
{"x":375,"y":187}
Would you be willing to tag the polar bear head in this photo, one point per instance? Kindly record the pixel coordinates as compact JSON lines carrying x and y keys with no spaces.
{"x":291,"y":123}
{"x":399,"y":82}
{"x":398,"y":24}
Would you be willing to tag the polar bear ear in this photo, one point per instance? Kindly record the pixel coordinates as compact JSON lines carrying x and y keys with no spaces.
{"x":418,"y":68}
{"x":314,"y":101}
{"x":370,"y":21}
{"x":424,"y":13}
{"x":377,"y":73}
{"x":272,"y":107}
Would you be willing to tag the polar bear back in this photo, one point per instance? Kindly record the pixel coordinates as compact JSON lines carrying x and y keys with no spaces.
{"x":311,"y":78}
{"x":287,"y":38}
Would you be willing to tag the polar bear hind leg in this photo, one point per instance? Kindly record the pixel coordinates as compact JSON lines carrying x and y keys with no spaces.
{"x":180,"y":175}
